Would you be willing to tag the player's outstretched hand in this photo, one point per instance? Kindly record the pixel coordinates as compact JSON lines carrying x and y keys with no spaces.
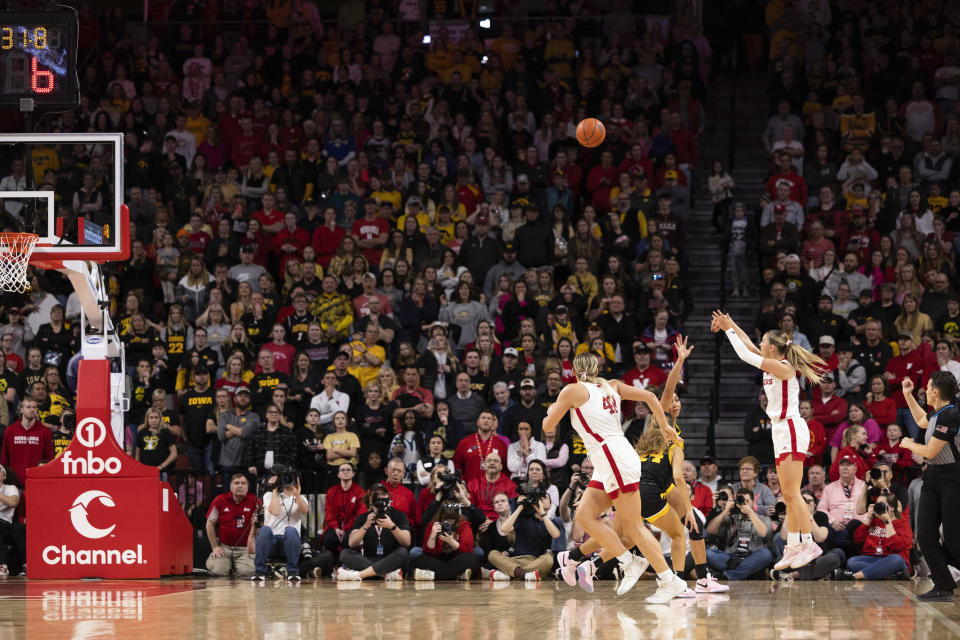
{"x":683,"y":351}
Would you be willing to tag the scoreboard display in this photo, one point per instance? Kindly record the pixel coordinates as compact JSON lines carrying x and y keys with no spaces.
{"x":38,"y":58}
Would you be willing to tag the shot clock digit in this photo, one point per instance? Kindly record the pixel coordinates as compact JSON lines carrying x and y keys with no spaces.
{"x":38,"y":58}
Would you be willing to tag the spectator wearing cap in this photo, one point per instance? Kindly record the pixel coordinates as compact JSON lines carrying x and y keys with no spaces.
{"x":909,"y":364}
{"x":234,"y":428}
{"x":361,"y":304}
{"x":801,"y":289}
{"x":851,"y":375}
{"x":778,"y":235}
{"x":508,"y":370}
{"x":480,"y":251}
{"x":247,"y":271}
{"x":199,"y":423}
{"x":643,"y":375}
{"x":534,"y":240}
{"x":508,"y":266}
{"x":793,"y":211}
{"x":559,"y":194}
{"x":526,"y":410}
{"x":787,"y":176}
{"x":840,"y":497}
{"x":826,"y":323}
{"x":371,"y":232}
{"x":709,"y":473}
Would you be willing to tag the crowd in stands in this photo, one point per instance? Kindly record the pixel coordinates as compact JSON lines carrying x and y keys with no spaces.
{"x":371,"y":259}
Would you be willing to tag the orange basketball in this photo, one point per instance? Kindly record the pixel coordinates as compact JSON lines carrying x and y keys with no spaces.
{"x":591,"y":132}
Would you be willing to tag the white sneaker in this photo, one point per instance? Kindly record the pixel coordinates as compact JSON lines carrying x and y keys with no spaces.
{"x":4,"y":571}
{"x":394,"y":576}
{"x":667,"y":591}
{"x":710,"y":585}
{"x":532,"y":576}
{"x":632,"y":573}
{"x":954,"y":572}
{"x":568,"y":569}
{"x":423,"y":574}
{"x":499,"y":576}
{"x":346,"y":575}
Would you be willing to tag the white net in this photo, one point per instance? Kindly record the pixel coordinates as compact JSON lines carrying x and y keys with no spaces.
{"x":15,"y":250}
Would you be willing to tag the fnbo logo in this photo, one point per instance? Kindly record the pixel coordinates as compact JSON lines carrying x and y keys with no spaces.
{"x":90,"y":433}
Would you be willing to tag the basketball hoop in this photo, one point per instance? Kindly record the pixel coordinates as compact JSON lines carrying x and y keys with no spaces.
{"x":15,"y":251}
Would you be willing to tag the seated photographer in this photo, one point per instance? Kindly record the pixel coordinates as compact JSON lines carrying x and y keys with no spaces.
{"x":880,"y":479}
{"x":521,"y":452}
{"x":447,"y":547}
{"x":449,"y":488}
{"x":534,"y":534}
{"x":378,"y":542}
{"x":229,"y":522}
{"x":492,"y":482}
{"x":537,"y":477}
{"x":742,"y":536}
{"x":571,"y":498}
{"x":344,"y":503}
{"x":832,"y":557}
{"x":283,"y":509}
{"x":749,"y":468}
{"x":886,"y":541}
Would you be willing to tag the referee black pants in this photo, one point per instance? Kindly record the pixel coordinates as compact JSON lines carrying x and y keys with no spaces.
{"x":939,"y":501}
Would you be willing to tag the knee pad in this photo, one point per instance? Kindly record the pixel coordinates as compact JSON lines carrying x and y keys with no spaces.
{"x":698,"y":534}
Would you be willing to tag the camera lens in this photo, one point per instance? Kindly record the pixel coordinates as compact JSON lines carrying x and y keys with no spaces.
{"x":740,"y":500}
{"x":875,"y":474}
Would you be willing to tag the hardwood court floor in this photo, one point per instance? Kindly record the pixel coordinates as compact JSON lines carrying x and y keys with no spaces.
{"x":230,"y":610}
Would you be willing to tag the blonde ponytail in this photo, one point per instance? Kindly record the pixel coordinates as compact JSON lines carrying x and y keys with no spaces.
{"x":809,"y":365}
{"x":651,"y":442}
{"x":586,"y":366}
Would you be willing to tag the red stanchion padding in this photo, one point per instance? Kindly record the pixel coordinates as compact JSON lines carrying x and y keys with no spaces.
{"x":95,"y":512}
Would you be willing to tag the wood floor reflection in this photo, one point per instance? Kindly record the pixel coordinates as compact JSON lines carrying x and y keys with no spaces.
{"x":228,"y":610}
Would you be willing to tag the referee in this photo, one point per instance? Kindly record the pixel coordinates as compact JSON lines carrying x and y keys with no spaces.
{"x":941,"y":481}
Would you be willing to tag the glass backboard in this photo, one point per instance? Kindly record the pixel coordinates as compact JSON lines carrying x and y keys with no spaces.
{"x":68,"y":189}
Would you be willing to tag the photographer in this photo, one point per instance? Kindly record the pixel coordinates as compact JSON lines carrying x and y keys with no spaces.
{"x":283,"y":509}
{"x":378,"y":543}
{"x":447,"y":547}
{"x":449,"y":488}
{"x":571,"y":498}
{"x":534,"y":533}
{"x":229,"y":522}
{"x":492,"y":482}
{"x":832,"y":558}
{"x":537,"y":479}
{"x":742,"y":536}
{"x":886,"y":540}
{"x":344,"y":503}
{"x":880,"y":479}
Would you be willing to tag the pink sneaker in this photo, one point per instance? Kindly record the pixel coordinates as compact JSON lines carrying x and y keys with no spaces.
{"x":789,"y":555}
{"x":585,"y":573}
{"x":710,"y":585}
{"x":568,"y":570}
{"x":809,"y":552}
{"x":687,"y":593}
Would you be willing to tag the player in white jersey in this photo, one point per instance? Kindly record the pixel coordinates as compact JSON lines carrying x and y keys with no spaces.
{"x":781,"y":361}
{"x":594,"y":405}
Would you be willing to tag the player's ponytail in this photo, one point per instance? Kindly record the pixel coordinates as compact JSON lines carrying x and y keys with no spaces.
{"x":586,"y":366}
{"x":809,"y":365}
{"x":651,"y":442}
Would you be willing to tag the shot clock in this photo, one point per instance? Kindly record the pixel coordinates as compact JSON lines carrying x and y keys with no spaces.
{"x":38,"y":58}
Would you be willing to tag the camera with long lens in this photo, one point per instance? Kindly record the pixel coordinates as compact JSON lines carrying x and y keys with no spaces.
{"x":880,"y":508}
{"x":876,"y":474}
{"x":740,"y":500}
{"x":450,"y":481}
{"x":581,"y":481}
{"x":379,"y":506}
{"x":780,"y":508}
{"x":532,"y":497}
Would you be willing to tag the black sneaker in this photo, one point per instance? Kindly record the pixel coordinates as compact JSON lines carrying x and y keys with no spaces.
{"x":936,"y":595}
{"x":258,"y":577}
{"x":293,"y":577}
{"x":842,"y":574}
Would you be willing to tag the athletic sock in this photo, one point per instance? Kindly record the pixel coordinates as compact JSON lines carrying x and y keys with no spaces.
{"x":793,"y":539}
{"x":805,"y":538}
{"x":666,"y":576}
{"x":701,"y":571}
{"x":576,"y":555}
{"x":625,"y":558}
{"x":518,"y":572}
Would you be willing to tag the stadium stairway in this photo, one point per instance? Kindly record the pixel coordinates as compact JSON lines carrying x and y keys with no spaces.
{"x":736,"y":115}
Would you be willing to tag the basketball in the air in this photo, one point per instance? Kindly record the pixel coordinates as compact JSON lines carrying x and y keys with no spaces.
{"x":591,"y":132}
